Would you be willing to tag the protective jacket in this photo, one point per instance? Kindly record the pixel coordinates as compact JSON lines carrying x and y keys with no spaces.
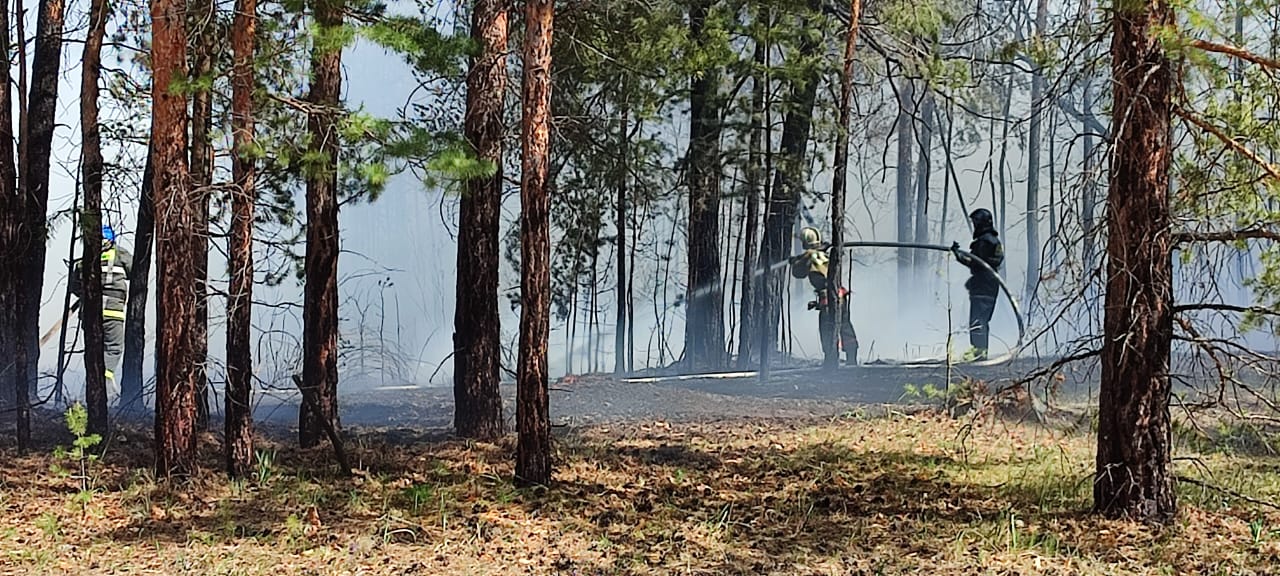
{"x":987,"y":246}
{"x":117,"y":263}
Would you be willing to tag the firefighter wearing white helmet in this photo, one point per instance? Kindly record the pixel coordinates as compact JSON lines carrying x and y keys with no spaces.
{"x":813,"y":265}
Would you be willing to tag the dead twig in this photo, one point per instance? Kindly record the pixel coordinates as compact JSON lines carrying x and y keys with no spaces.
{"x":1231,"y":493}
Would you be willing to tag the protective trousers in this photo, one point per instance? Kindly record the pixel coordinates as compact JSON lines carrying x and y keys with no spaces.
{"x":113,"y":349}
{"x":981,"y":307}
{"x":848,"y":338}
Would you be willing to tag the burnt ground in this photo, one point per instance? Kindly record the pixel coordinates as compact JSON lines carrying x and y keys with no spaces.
{"x":595,"y":399}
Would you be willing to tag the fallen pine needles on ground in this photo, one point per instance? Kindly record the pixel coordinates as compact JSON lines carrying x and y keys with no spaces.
{"x":918,"y":493}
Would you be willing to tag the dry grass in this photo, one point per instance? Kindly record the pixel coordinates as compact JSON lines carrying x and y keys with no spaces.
{"x":898,"y":494}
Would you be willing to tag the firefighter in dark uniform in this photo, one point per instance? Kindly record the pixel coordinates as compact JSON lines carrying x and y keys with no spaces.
{"x":982,"y":285}
{"x":812,"y":264}
{"x":116,"y":266}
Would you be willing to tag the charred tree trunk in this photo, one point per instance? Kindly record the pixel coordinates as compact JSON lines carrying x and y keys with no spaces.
{"x":177,"y":244}
{"x":924,"y":168}
{"x":704,"y":320}
{"x":201,"y":147}
{"x":755,"y":188}
{"x":12,"y":243}
{"x":33,"y":187}
{"x":1033,"y":164}
{"x":620,"y":331}
{"x":1133,"y":477}
{"x":906,"y":145}
{"x":91,"y":270}
{"x":533,"y":444}
{"x":839,"y":185}
{"x":135,"y":323}
{"x":1089,"y":197}
{"x":477,"y":324}
{"x":320,"y":295}
{"x":782,"y":206}
{"x":238,"y":426}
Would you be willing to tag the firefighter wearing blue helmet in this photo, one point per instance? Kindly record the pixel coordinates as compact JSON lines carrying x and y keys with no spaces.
{"x":117,"y":263}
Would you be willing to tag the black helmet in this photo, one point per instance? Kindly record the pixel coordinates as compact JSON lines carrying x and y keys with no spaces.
{"x":982,"y":220}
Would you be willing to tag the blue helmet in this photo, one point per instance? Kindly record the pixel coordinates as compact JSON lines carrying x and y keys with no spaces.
{"x":108,"y":235}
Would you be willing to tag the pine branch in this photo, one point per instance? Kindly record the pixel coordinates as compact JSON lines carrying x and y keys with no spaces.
{"x":1228,"y":140}
{"x":1240,"y":53}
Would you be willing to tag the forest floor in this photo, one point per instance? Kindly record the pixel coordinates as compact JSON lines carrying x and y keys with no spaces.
{"x":732,"y":484}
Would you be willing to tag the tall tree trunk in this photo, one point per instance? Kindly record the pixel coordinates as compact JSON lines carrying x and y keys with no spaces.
{"x":37,"y":142}
{"x":320,"y":295}
{"x":201,"y":146}
{"x":135,"y":323}
{"x":839,"y":185}
{"x":1133,"y":475}
{"x":620,"y":334}
{"x":704,"y":319}
{"x":755,"y":185}
{"x":789,"y":181}
{"x":1000,"y":210}
{"x":905,"y":192}
{"x":91,"y":222}
{"x":924,"y":168}
{"x":12,"y":216}
{"x":1033,"y":163}
{"x":177,"y":244}
{"x":477,"y":324}
{"x":533,"y":444}
{"x":1088,"y":198}
{"x":238,"y":408}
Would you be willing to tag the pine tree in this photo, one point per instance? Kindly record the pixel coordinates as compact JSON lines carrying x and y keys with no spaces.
{"x":177,"y":245}
{"x":533,"y":445}
{"x":477,"y":325}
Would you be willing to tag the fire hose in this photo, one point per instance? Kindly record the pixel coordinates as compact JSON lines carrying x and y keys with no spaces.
{"x":1013,"y":303}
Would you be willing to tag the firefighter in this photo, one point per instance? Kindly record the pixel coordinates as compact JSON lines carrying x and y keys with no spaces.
{"x":812,"y":264}
{"x":982,"y":285}
{"x":116,"y":266}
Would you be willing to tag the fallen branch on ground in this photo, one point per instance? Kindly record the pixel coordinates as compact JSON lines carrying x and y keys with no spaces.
{"x":1231,"y":493}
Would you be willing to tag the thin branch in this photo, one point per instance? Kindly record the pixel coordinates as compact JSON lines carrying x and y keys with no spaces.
{"x":1240,"y":53}
{"x":1232,"y":493}
{"x":1226,"y":236}
{"x":1225,"y":308}
{"x":1229,"y":141}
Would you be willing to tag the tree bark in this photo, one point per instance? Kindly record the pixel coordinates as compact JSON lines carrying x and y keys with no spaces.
{"x":755,"y":189}
{"x":238,"y":426}
{"x":533,"y":444}
{"x":704,"y":318}
{"x":782,"y":206}
{"x":201,"y":23}
{"x":1033,"y":162}
{"x":320,"y":295}
{"x":839,"y":185}
{"x":177,"y":244}
{"x":12,"y":216}
{"x":135,"y":323}
{"x":906,"y":144}
{"x":1133,"y":477}
{"x":619,"y":333}
{"x":91,"y":222}
{"x":477,"y":324}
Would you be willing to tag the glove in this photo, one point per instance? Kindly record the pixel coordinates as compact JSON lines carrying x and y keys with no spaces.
{"x":955,"y":246}
{"x":813,"y":305}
